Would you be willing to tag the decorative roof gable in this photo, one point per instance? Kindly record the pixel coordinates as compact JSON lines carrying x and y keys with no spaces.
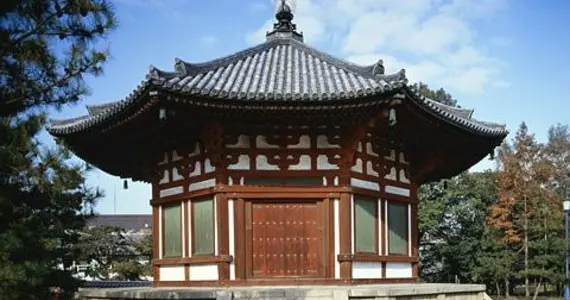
{"x":280,"y":69}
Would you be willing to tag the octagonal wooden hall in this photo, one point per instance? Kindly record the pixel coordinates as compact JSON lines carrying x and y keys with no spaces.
{"x":280,"y":164}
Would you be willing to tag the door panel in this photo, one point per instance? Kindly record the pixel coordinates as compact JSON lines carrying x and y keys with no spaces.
{"x":285,"y":239}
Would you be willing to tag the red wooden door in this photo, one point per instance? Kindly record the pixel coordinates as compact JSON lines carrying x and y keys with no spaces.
{"x":285,"y":239}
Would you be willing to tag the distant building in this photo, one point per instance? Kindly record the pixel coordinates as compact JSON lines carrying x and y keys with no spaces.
{"x":130,"y":223}
{"x":134,"y":225}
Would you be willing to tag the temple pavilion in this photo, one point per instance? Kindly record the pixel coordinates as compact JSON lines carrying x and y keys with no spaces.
{"x":280,"y":164}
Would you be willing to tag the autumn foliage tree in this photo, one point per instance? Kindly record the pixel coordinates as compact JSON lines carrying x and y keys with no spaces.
{"x":503,"y":228}
{"x":526,"y":204}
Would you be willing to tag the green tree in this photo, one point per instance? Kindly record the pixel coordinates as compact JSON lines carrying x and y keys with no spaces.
{"x":439,"y":95}
{"x":46,"y":49}
{"x":102,"y":248}
{"x":112,"y":253}
{"x":454,"y":226}
{"x":140,"y":263}
{"x":548,"y":232}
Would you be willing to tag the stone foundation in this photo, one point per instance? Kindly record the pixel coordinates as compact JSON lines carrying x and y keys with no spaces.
{"x":360,"y":292}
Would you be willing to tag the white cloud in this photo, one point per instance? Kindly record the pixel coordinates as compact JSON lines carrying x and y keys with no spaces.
{"x":434,"y":40}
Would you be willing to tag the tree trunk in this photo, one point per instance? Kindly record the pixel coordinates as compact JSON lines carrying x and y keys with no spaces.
{"x":498,"y":287}
{"x":507,"y":288}
{"x":537,"y":288}
{"x":526,"y":282}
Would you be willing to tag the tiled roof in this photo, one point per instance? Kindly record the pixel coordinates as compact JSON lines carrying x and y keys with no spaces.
{"x":281,"y":70}
{"x":458,"y":116}
{"x":127,"y":222}
{"x":115,"y":284}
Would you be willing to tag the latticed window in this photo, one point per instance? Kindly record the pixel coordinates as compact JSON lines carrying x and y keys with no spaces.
{"x":203,"y":227}
{"x":398,"y":228}
{"x":172,"y":231}
{"x":365,"y":226}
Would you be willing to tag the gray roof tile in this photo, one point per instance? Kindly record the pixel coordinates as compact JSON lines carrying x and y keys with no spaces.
{"x":280,"y":70}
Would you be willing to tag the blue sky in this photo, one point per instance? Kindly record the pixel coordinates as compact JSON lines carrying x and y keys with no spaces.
{"x":506,"y":59}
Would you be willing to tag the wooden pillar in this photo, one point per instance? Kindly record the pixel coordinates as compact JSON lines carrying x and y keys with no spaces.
{"x":328,"y":259}
{"x":239,"y":238}
{"x":223,"y":235}
{"x":415,"y":225}
{"x":345,"y":235}
{"x":155,"y":241}
{"x":186,"y":204}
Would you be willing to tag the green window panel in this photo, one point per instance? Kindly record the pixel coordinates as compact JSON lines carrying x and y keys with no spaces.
{"x":365,"y":229}
{"x":397,"y":226}
{"x":172,"y":231}
{"x":203,"y":224}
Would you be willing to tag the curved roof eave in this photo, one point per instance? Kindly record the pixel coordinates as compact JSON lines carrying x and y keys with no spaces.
{"x":461,"y":118}
{"x":291,"y":73}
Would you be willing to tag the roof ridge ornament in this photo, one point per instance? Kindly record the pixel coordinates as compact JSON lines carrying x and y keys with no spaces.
{"x":284,"y":27}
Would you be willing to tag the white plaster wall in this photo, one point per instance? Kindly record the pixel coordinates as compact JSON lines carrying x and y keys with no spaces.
{"x":403,"y":158}
{"x":370,"y":171}
{"x":392,"y":175}
{"x":164,"y":177}
{"x":304,"y":143}
{"x":202,"y":184}
{"x":197,"y":169}
{"x":403,"y":177}
{"x":231,"y":237}
{"x":323,"y":143}
{"x":203,"y":272}
{"x":366,"y":270}
{"x":242,"y":163}
{"x":243,"y":142}
{"x":175,"y":156}
{"x":370,"y":150}
{"x":261,"y":163}
{"x":171,"y":191}
{"x":304,"y":163}
{"x":323,"y":163}
{"x":175,"y":175}
{"x":336,"y":238}
{"x":398,"y":191}
{"x":208,"y":167}
{"x":357,"y":166}
{"x":261,"y":143}
{"x":369,"y":185}
{"x":171,"y":273}
{"x":196,"y":150}
{"x":398,"y":270}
